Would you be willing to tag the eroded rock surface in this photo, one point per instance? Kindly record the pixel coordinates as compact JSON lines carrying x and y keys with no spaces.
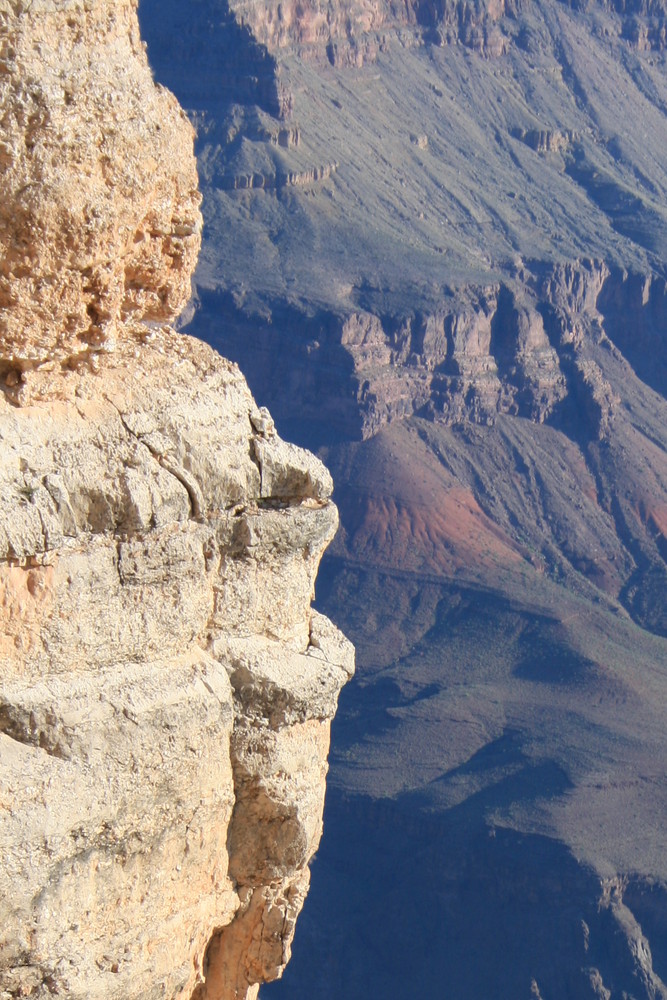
{"x":165,"y":688}
{"x":99,"y":203}
{"x":166,"y":691}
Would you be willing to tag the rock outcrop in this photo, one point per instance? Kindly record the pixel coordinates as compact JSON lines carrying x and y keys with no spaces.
{"x":99,"y":221}
{"x":522,"y":348}
{"x":165,"y":688}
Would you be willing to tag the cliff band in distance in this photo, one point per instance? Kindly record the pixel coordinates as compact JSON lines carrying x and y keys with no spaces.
{"x":165,"y":688}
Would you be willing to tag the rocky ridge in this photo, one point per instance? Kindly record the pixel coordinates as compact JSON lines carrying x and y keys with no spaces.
{"x":166,"y":690}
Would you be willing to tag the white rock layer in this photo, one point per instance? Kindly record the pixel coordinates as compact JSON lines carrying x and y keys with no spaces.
{"x":165,"y":688}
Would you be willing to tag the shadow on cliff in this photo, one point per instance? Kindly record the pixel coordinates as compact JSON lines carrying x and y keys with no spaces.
{"x":408,"y":904}
{"x":312,"y":391}
{"x":231,"y":68}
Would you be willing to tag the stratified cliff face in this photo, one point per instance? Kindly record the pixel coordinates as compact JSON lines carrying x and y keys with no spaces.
{"x":165,"y":688}
{"x":166,"y":692}
{"x":425,"y":187}
{"x":522,"y":347}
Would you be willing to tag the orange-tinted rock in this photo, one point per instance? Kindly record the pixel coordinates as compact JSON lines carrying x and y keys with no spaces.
{"x":99,"y":206}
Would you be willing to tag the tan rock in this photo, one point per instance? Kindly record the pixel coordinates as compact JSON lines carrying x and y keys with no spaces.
{"x":165,"y":689}
{"x":115,"y":792}
{"x":99,"y":207}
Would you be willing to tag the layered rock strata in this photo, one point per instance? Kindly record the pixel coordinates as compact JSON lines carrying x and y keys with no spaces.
{"x":524,"y":348}
{"x":165,"y":688}
{"x":427,"y":275}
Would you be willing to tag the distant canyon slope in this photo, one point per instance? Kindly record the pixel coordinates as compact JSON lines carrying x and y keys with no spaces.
{"x":436,"y":241}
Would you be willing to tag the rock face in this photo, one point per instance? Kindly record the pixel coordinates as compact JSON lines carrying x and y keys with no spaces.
{"x":433,"y":272}
{"x":521,"y":347}
{"x":166,"y":691}
{"x":99,"y":215}
{"x":165,"y":688}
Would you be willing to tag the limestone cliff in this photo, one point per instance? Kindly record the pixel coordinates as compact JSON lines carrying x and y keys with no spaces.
{"x":165,"y":688}
{"x":99,"y":221}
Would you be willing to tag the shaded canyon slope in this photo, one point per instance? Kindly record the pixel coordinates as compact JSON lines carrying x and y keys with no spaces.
{"x":435,"y":237}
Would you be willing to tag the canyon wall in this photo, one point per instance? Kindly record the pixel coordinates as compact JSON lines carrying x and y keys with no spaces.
{"x":166,"y":690}
{"x":521,"y":347}
{"x":471,"y":226}
{"x":524,"y":347}
{"x":467,"y":319}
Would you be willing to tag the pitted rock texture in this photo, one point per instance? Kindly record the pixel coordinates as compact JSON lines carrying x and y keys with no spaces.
{"x":99,"y":203}
{"x":165,"y":688}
